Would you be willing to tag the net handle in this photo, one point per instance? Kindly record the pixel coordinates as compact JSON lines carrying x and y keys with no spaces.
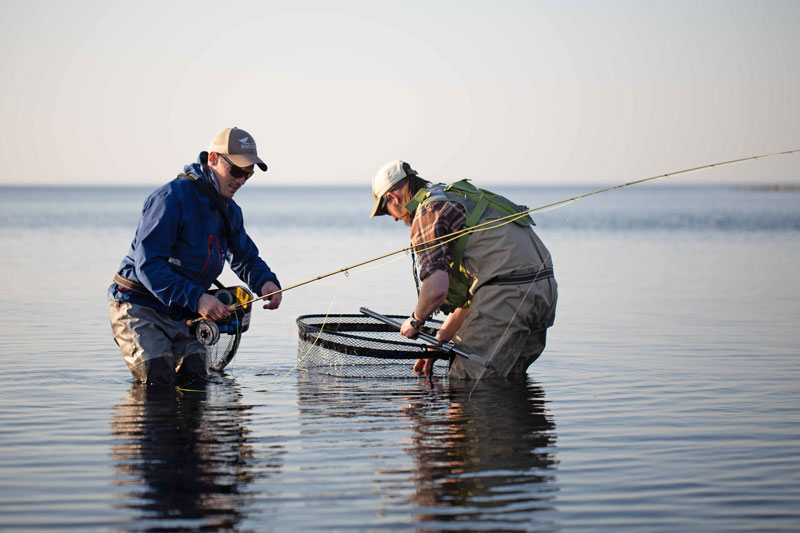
{"x":444,"y":346}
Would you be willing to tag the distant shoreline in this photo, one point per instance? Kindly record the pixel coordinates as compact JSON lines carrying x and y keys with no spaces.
{"x":769,"y":188}
{"x":497,"y":187}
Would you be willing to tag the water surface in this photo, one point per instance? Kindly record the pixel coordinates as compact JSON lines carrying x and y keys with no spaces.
{"x":667,"y":398}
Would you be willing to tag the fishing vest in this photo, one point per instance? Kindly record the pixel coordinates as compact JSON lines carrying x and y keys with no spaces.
{"x":493,"y":252}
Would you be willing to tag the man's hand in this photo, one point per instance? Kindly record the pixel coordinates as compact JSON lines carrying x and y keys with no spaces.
{"x":209,"y":307}
{"x":423,"y":367}
{"x":407,"y":330}
{"x":273,"y":301}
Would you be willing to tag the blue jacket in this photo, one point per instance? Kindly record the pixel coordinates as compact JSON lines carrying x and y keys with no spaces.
{"x":180,"y":248}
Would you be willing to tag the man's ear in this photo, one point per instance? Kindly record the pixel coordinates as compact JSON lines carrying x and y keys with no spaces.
{"x":213,"y":158}
{"x":392,"y":196}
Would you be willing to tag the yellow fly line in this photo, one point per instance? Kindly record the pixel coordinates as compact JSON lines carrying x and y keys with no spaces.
{"x":494,"y":223}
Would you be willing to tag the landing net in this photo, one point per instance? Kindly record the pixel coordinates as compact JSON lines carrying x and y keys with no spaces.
{"x":221,"y":353}
{"x":222,"y":338}
{"x":361,"y":346}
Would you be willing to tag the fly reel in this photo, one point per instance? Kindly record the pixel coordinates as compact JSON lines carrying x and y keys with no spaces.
{"x":221,"y":338}
{"x":207,"y":333}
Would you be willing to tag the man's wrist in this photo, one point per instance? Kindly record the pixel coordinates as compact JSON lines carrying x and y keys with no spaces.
{"x":416,"y":323}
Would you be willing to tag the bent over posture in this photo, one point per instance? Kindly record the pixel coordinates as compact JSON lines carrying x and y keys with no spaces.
{"x":188,"y":228}
{"x":497,"y":281}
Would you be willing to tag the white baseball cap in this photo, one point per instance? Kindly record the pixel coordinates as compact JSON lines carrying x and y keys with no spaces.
{"x":387,"y":177}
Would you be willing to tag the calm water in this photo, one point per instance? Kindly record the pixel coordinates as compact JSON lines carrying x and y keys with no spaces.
{"x":668,"y":398}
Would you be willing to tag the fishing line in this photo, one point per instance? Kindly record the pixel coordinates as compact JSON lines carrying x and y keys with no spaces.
{"x":182,"y":389}
{"x":475,"y":229}
{"x":381,"y":265}
{"x":325,"y":320}
{"x":491,"y":224}
{"x":237,"y":340}
{"x":444,"y":239}
{"x":322,"y":327}
{"x":687,"y":171}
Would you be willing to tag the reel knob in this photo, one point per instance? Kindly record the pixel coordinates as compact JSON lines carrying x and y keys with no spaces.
{"x":207,"y":333}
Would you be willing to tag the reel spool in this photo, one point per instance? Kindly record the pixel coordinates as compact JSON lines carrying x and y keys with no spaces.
{"x":207,"y":333}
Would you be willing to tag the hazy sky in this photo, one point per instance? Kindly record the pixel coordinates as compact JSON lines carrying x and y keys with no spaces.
{"x":108,"y":92}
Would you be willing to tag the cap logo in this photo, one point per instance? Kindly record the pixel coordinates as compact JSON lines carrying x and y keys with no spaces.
{"x":245,"y":143}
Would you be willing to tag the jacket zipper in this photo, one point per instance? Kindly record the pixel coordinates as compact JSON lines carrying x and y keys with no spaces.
{"x":219,"y":256}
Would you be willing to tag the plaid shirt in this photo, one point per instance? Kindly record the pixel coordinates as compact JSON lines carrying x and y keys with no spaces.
{"x":431,"y":221}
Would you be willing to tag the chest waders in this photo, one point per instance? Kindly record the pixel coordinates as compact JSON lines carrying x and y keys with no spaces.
{"x":480,"y":205}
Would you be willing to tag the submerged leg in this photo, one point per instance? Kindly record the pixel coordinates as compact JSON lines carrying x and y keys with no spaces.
{"x":142,"y":336}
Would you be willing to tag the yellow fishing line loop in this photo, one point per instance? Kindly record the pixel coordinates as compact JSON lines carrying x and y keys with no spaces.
{"x":189,"y":390}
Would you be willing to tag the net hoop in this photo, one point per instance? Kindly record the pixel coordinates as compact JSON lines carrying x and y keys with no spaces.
{"x":334,"y":332}
{"x":356,"y":345}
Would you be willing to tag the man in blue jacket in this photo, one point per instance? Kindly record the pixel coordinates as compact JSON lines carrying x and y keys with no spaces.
{"x":187,"y":230}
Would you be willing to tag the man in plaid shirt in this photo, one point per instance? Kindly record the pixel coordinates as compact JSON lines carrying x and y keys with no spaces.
{"x":507,"y":319}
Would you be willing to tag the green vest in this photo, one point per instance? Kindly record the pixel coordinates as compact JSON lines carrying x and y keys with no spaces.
{"x":480,"y":206}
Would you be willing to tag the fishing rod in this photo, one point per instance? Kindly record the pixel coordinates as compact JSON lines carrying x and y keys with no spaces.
{"x":433,"y":341}
{"x":497,"y":222}
{"x":235,"y":306}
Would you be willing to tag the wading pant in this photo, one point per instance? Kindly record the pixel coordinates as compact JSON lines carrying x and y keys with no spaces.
{"x":506,"y":324}
{"x":156,"y":348}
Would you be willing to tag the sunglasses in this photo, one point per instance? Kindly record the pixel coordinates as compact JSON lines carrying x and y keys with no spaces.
{"x":238,"y":172}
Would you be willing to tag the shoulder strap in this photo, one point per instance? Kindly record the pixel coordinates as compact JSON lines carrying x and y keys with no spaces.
{"x":212,"y":194}
{"x":418,"y":198}
{"x":497,"y":202}
{"x":472,"y":220}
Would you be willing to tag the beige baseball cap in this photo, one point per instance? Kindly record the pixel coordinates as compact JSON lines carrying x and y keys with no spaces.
{"x":387,"y":177}
{"x":239,"y":146}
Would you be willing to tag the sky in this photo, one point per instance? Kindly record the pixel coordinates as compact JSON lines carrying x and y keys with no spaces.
{"x":513,"y":92}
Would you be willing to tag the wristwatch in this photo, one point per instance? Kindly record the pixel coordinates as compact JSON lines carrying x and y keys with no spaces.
{"x":415,"y":322}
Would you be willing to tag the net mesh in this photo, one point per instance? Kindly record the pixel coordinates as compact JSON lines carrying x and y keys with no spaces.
{"x":218,"y":355}
{"x":361,"y":346}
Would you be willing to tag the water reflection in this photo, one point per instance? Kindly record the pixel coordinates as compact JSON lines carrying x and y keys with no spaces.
{"x":186,"y":458}
{"x":437,"y":455}
{"x":486,"y":458}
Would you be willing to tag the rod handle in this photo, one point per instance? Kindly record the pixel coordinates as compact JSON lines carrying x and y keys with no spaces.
{"x":192,"y":321}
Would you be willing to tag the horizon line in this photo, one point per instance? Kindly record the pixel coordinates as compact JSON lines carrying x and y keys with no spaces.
{"x":775,"y":183}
